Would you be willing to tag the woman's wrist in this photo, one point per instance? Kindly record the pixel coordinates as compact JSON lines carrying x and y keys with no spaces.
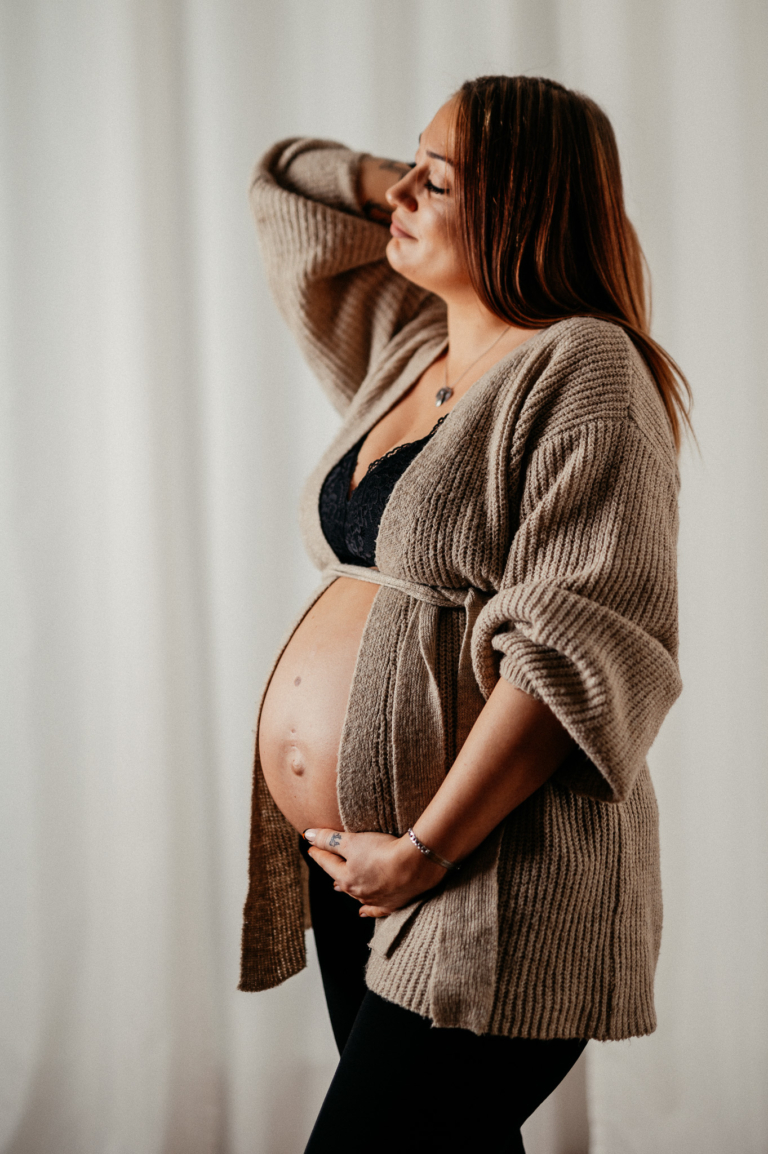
{"x":416,"y":867}
{"x":430,"y":854}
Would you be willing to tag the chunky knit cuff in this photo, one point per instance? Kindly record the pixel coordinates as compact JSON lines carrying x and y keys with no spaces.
{"x":318,"y":170}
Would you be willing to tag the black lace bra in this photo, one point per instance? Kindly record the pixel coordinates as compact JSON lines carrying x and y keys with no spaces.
{"x":351,"y":523}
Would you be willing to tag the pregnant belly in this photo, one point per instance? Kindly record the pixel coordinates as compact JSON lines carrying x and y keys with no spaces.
{"x":304,"y":708}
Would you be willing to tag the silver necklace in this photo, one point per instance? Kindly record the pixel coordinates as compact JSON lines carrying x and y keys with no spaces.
{"x":443,"y":394}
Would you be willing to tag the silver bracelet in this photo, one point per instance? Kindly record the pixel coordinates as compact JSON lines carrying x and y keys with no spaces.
{"x":435,"y":857}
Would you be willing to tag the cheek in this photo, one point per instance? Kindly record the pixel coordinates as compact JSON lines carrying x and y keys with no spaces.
{"x":431,"y":257}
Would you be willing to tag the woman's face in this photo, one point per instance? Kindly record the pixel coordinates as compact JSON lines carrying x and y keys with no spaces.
{"x":422,"y":247}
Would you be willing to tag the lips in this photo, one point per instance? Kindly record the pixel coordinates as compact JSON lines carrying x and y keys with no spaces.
{"x":397,"y":230}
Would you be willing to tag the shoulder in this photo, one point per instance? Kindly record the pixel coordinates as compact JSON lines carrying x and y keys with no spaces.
{"x":582,"y":371}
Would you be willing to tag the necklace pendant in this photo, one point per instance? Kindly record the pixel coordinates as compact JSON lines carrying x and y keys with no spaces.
{"x":442,"y":395}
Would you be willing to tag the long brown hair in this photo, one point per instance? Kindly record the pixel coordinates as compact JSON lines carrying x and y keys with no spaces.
{"x":542,"y":221}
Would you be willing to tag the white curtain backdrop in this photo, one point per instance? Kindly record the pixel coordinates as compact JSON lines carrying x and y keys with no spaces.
{"x":156,"y":426}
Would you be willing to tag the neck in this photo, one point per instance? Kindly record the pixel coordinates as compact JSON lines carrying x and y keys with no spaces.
{"x":472,"y":328}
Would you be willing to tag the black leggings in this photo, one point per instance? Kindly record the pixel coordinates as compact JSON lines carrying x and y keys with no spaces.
{"x":403,"y":1085}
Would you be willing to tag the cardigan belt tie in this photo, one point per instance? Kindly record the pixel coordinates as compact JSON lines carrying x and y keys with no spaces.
{"x":429,"y":594}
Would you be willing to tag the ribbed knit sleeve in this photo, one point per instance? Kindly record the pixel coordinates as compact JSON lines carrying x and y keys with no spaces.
{"x":326,"y":263}
{"x":586,"y":618}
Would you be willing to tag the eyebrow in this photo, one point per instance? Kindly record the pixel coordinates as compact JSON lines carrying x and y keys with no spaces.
{"x":437,"y":156}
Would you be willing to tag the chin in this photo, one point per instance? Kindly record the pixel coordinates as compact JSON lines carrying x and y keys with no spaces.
{"x":393,"y":252}
{"x":407,"y":269}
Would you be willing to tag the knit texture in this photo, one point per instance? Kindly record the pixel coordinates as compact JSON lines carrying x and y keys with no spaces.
{"x":533,"y":538}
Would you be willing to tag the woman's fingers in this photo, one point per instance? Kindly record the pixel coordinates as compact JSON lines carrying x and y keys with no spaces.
{"x":330,"y":862}
{"x":329,"y":839}
{"x":366,"y":877}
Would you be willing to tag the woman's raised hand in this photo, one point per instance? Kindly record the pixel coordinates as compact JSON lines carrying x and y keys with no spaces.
{"x":375,"y":176}
{"x":381,"y":871}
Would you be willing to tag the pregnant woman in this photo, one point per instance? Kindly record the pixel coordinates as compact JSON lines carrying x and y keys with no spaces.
{"x":454,"y":735}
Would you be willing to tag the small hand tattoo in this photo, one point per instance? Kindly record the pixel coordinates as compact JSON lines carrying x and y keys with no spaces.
{"x":379,"y":213}
{"x":397,"y":166}
{"x":334,"y":840}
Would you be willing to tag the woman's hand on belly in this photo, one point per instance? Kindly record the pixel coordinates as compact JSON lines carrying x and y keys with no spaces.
{"x":381,"y":871}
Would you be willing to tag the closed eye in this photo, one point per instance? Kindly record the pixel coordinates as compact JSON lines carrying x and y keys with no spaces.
{"x":433,"y":187}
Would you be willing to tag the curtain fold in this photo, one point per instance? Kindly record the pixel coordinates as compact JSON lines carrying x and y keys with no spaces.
{"x":156,"y":426}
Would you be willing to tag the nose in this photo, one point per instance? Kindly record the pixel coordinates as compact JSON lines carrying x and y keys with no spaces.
{"x":401,"y":193}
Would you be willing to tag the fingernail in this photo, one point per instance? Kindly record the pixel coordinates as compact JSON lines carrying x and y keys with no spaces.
{"x":310,"y":834}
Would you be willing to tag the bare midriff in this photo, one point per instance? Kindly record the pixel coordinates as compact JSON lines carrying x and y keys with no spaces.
{"x":305,"y":705}
{"x":304,"y":709}
{"x":306,"y":702}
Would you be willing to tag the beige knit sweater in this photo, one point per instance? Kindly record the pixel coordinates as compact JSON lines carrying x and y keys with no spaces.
{"x":533,"y":538}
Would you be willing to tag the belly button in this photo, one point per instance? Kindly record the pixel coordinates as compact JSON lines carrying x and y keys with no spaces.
{"x":297,"y":765}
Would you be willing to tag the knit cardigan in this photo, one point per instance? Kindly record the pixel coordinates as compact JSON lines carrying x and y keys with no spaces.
{"x":533,"y":538}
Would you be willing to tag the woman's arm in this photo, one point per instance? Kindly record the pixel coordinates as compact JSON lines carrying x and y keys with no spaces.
{"x":324,"y":252}
{"x":515,"y":744}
